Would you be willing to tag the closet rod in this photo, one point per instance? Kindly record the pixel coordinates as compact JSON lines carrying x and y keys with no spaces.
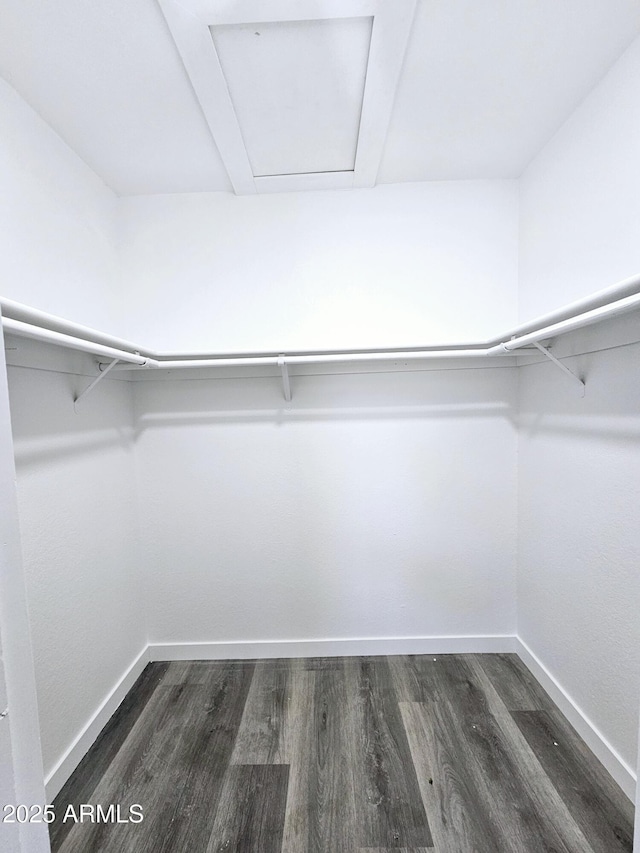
{"x":627,"y":287}
{"x":540,"y":327}
{"x":506,"y":347}
{"x":25,"y":330}
{"x":29,"y":322}
{"x":25,"y":314}
{"x":587,"y":318}
{"x":322,"y":358}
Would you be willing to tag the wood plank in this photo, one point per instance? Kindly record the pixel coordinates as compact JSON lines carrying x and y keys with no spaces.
{"x":416,"y":678}
{"x":138,"y":773}
{"x":277,"y":728}
{"x":529,"y":808}
{"x":250,"y":815}
{"x":513,"y":682}
{"x":457,"y":811}
{"x":88,"y":774}
{"x":198,"y":671}
{"x":298,"y":745}
{"x":173,"y":764}
{"x":204,"y":756}
{"x":532,"y":783}
{"x":321,"y":664}
{"x":180,"y":672}
{"x":411,"y":682}
{"x":279,"y":697}
{"x":330,"y":802}
{"x":387,"y":795}
{"x":600,"y":808}
{"x":261,"y":732}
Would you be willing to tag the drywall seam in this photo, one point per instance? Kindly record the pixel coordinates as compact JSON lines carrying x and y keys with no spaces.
{"x":347,"y":647}
{"x":590,"y":734}
{"x":57,"y":777}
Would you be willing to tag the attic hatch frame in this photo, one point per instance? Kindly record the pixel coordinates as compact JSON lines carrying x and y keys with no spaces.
{"x":189,"y":22}
{"x":23,"y":321}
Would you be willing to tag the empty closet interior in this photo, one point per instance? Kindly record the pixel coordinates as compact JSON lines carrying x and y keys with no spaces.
{"x":366,"y":363}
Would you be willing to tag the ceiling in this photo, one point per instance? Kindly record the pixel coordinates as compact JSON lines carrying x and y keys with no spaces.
{"x":484,"y":84}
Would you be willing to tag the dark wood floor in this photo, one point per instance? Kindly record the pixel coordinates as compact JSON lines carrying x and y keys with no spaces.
{"x":455,"y":754}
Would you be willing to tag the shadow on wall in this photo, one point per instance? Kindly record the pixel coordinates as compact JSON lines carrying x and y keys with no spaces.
{"x":46,"y":427}
{"x":55,"y":448}
{"x":610,"y":409}
{"x":450,"y":394}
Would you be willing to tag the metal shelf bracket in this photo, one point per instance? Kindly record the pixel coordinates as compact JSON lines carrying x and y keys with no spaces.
{"x":562,"y":366}
{"x":286,"y":384}
{"x":83,"y":394}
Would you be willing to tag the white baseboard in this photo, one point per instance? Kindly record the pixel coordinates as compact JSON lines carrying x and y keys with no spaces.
{"x":256,"y":649}
{"x":595,"y":740}
{"x":57,"y":777}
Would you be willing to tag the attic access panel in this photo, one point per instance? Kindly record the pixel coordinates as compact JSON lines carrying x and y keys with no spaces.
{"x":297,"y":89}
{"x":297,"y":94}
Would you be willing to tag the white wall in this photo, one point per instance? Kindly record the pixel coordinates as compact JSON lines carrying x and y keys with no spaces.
{"x":78,"y":519}
{"x":580,"y":198}
{"x":636,"y":833}
{"x":58,"y":252}
{"x":20,"y":752}
{"x":393,"y":266}
{"x":578,"y":585}
{"x":378,"y":505}
{"x":9,"y":837}
{"x":58,"y":242}
{"x":579,"y":471}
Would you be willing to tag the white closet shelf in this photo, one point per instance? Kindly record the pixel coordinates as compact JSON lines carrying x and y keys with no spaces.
{"x":115,"y":353}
